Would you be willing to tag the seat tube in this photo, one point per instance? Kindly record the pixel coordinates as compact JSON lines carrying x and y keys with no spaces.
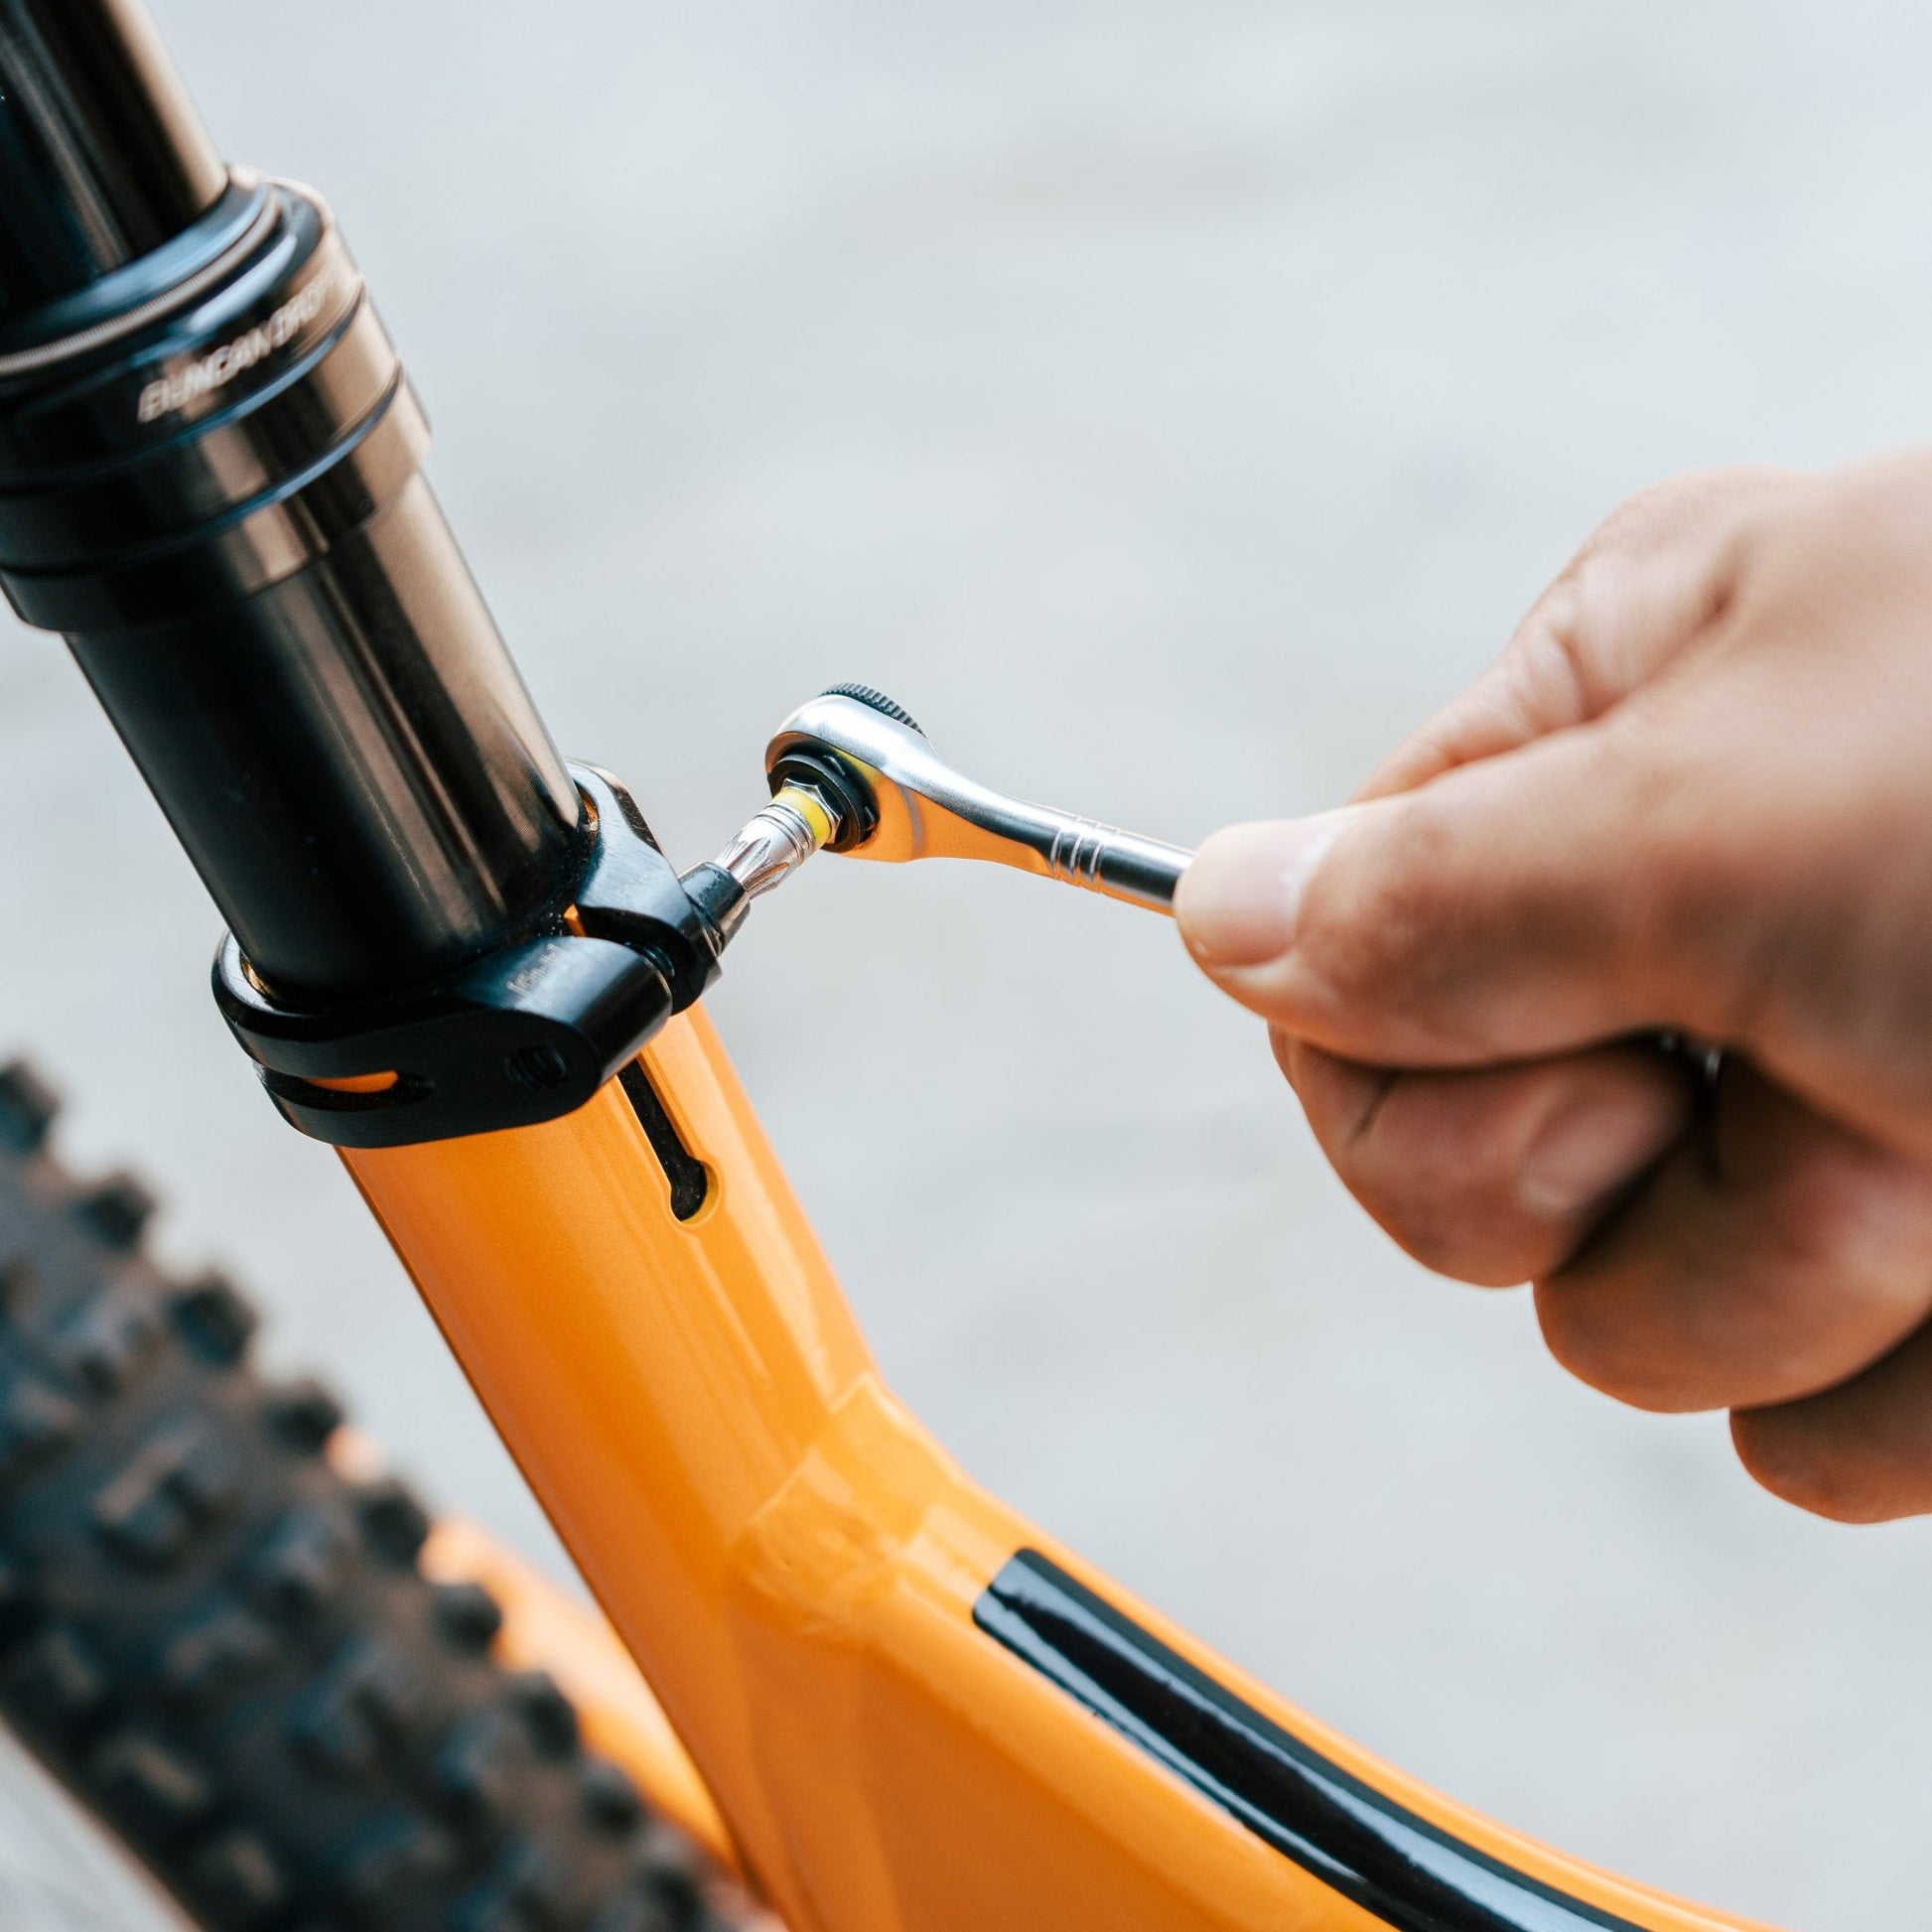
{"x":815,"y":1589}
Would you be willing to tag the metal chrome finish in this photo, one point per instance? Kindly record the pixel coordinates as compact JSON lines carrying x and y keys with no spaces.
{"x":927,"y":810}
{"x":776,"y":841}
{"x":770,"y":849}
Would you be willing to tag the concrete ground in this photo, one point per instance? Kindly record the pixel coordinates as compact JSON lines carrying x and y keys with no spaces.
{"x":1170,"y":403}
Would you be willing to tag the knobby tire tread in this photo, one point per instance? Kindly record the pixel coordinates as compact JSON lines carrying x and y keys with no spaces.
{"x":225,"y":1648}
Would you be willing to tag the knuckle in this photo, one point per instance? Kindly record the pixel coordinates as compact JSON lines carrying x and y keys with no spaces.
{"x":1840,"y":1230}
{"x":1691,"y":898}
{"x":1696,"y":506}
{"x":1545,"y":680}
{"x":1556,"y":674}
{"x":1866,"y":1225}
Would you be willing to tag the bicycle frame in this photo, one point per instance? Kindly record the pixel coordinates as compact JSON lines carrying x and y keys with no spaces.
{"x":912,"y":1710}
{"x":898,"y":1733}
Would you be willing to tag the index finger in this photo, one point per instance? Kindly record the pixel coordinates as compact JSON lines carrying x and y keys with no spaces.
{"x":1645,"y":585}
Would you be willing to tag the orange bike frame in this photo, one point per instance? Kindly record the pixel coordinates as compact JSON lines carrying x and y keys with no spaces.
{"x":907,"y":1723}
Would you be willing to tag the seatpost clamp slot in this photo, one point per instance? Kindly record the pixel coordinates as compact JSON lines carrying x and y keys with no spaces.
{"x":524,"y":1033}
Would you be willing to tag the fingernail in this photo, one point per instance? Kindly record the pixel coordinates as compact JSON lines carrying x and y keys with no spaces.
{"x":1591,"y":1150}
{"x":1240,"y":899}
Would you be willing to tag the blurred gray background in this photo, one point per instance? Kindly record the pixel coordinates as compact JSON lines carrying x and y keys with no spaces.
{"x":1170,"y":401}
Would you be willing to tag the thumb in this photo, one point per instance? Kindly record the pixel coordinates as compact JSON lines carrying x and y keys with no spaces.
{"x":1510,"y":909}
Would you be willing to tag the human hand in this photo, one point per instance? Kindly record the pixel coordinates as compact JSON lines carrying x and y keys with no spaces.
{"x":1694,"y":795}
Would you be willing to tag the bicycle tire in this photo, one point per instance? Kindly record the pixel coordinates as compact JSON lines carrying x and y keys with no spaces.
{"x":225,"y":1648}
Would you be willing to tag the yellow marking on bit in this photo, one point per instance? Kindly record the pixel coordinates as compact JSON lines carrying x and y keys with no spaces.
{"x":811,"y":808}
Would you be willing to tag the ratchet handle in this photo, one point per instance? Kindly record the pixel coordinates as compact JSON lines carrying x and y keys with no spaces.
{"x":1121,"y":865}
{"x":886,"y":794}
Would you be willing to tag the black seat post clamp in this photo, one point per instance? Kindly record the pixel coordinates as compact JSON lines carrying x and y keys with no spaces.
{"x":524,"y":1033}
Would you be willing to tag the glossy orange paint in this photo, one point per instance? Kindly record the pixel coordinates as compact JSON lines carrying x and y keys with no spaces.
{"x":794,"y":1563}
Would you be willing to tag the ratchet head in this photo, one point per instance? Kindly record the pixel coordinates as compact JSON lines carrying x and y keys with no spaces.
{"x":895,"y":799}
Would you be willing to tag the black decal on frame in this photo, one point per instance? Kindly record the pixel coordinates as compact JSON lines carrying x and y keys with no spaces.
{"x":1409,"y":1874}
